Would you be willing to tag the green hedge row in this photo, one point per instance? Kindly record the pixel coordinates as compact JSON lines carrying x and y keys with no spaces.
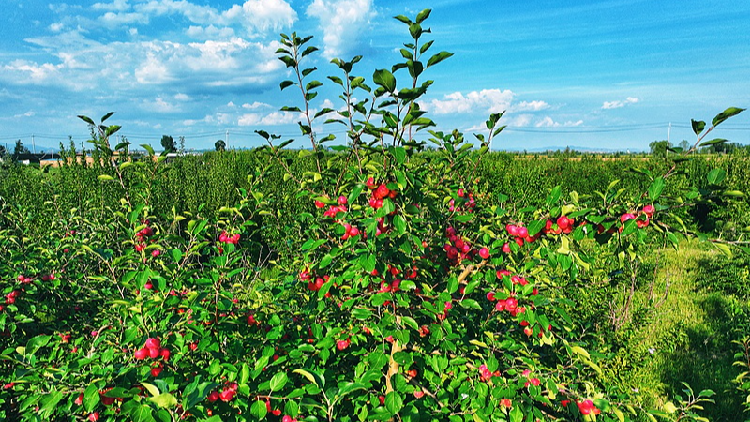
{"x":203,"y":184}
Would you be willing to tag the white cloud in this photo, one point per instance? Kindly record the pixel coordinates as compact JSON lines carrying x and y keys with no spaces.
{"x":548,"y":122}
{"x":535,"y":105}
{"x":256,"y":105}
{"x":619,"y":103}
{"x":486,"y":100}
{"x":133,"y":31}
{"x":192,"y":12}
{"x":262,"y":14}
{"x":32,"y":72}
{"x":112,"y":18}
{"x":27,"y":114}
{"x":56,"y":27}
{"x":272,"y":119}
{"x":192,"y":122}
{"x":521,"y":120}
{"x":181,"y":97}
{"x":341,"y":21}
{"x":153,"y":71}
{"x":159,"y":105}
{"x":211,"y":31}
{"x":118,"y":5}
{"x":249,"y":119}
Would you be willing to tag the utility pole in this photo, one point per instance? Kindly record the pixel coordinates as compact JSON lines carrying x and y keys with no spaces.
{"x":33,"y":144}
{"x":226,"y":139}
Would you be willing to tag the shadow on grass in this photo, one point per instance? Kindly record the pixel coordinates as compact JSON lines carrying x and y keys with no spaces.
{"x":705,"y":361}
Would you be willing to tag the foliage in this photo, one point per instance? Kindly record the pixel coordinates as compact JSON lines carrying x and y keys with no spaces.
{"x":167,"y":143}
{"x":409,"y":292}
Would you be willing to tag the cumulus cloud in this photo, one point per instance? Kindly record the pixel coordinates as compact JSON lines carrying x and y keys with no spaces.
{"x":121,"y":18}
{"x":31,"y":72}
{"x":192,"y":122}
{"x":521,"y":120}
{"x":210,"y":31}
{"x":535,"y":105}
{"x":618,"y":103}
{"x":160,"y":105}
{"x":276,"y":118}
{"x":548,"y":122}
{"x":118,"y":5}
{"x":262,"y":14}
{"x":341,"y":21}
{"x":253,"y":15}
{"x":256,"y":105}
{"x":486,"y":100}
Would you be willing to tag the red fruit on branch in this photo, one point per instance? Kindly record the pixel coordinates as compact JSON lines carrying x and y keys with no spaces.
{"x":587,"y":407}
{"x":342,"y":345}
{"x":141,"y":354}
{"x":152,"y":343}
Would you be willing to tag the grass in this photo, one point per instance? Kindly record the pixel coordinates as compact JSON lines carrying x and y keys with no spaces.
{"x":684,"y":336}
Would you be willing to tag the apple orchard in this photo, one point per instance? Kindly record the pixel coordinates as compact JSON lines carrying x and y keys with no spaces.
{"x":410,"y":295}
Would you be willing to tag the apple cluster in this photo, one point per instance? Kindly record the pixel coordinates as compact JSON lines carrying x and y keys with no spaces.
{"x":226,"y":394}
{"x":485,"y":375}
{"x":152,"y":348}
{"x":224,"y":237}
{"x":378,"y":193}
{"x":457,"y":249}
{"x":587,"y":407}
{"x":519,"y":234}
{"x":142,"y":236}
{"x":466,"y":202}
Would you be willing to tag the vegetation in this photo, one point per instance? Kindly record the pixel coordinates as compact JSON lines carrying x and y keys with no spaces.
{"x":376,"y":280}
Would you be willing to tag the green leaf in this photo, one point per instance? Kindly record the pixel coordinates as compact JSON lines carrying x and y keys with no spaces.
{"x":437,"y":58}
{"x":258,"y":409}
{"x":554,"y":195}
{"x":400,"y":18}
{"x":400,"y":154}
{"x":384,"y":78}
{"x":313,"y":85}
{"x":148,"y":149}
{"x":698,"y":126}
{"x":86,"y":119}
{"x":713,"y":142}
{"x":105,"y":177}
{"x":423,"y":15}
{"x":327,"y":259}
{"x":279,"y":381}
{"x":154,"y":390}
{"x":516,"y":415}
{"x":656,"y":188}
{"x":285,"y":84}
{"x":176,"y":255}
{"x":91,"y":397}
{"x":48,"y":403}
{"x":731,"y":111}
{"x":164,"y":400}
{"x":393,"y":402}
{"x":141,"y":413}
{"x":35,"y":343}
{"x":733,"y":193}
{"x":310,"y":377}
{"x":716,"y":176}
{"x":309,"y":50}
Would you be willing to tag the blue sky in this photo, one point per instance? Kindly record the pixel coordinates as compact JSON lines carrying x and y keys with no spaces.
{"x":597,"y":74}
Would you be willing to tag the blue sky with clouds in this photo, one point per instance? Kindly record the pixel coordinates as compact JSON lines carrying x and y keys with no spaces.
{"x":598,"y":74}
